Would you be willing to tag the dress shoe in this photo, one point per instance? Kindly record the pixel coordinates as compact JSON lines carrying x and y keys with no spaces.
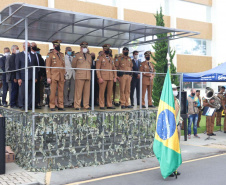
{"x":89,"y":108}
{"x":225,"y":132}
{"x":38,"y":107}
{"x":129,"y":107}
{"x":172,"y":175}
{"x":143,"y":106}
{"x":110,"y":107}
{"x":102,"y":108}
{"x":53,"y":109}
{"x":132,"y":105}
{"x":77,"y":108}
{"x":5,"y":105}
{"x":123,"y":107}
{"x":117,"y":104}
{"x":62,"y":109}
{"x":151,"y":106}
{"x":213,"y":134}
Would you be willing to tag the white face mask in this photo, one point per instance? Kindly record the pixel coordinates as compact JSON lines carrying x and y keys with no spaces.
{"x":84,"y":50}
{"x":6,"y":54}
{"x":17,"y":51}
{"x":135,"y":56}
{"x":175,"y":93}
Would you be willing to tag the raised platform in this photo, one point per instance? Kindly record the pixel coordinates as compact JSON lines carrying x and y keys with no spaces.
{"x":47,"y":140}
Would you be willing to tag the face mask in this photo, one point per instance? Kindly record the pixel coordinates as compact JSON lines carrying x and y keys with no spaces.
{"x":69,"y":53}
{"x":29,"y":49}
{"x":6,"y":54}
{"x":175,"y":93}
{"x":93,"y":58}
{"x":147,"y":58}
{"x":17,"y":51}
{"x":135,"y":56}
{"x":34,"y":48}
{"x":106,"y":52}
{"x":84,"y":50}
{"x":38,"y":52}
{"x":193,"y":94}
{"x":57,"y":48}
{"x":126,"y":53}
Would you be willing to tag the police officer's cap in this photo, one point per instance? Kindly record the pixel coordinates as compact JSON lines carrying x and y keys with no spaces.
{"x":56,"y":42}
{"x":147,"y":53}
{"x":106,"y":46}
{"x":84,"y":44}
{"x":125,"y":49}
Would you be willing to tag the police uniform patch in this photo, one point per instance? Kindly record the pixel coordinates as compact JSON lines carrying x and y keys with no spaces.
{"x":54,"y":57}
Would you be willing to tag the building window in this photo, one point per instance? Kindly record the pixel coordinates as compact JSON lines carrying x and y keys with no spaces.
{"x":193,"y":46}
{"x":195,"y":85}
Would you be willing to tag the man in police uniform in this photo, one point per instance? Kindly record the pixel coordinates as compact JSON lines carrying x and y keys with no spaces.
{"x":106,"y":78}
{"x":124,"y":63}
{"x":82,"y":77}
{"x":55,"y":76}
{"x":148,"y":67}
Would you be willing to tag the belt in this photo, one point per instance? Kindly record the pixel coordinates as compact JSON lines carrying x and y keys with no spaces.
{"x":127,"y":73}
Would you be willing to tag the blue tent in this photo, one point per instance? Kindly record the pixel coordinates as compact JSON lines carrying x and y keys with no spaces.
{"x":217,"y":74}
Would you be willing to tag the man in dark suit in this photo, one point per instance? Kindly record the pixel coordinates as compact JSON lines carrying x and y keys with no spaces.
{"x":135,"y":83}
{"x":20,"y":76}
{"x":41,"y":74}
{"x":11,"y":77}
{"x":5,"y":84}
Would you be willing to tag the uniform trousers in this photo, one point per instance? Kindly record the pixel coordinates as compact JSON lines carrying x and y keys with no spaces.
{"x":125,"y":82}
{"x":53,"y":87}
{"x":218,"y":118}
{"x":102,"y":88}
{"x":69,"y":91}
{"x":144,"y":89}
{"x":210,"y":123}
{"x":82,"y":89}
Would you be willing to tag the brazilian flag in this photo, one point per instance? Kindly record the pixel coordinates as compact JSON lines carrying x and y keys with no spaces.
{"x":166,"y":143}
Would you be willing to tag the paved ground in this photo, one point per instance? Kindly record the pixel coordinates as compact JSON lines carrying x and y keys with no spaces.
{"x":206,"y":171}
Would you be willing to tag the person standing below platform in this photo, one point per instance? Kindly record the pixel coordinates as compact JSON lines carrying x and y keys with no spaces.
{"x":106,"y":78}
{"x":11,"y":77}
{"x":135,"y":83}
{"x":82,"y":77}
{"x":220,"y":95}
{"x":69,"y":84}
{"x":56,"y":76}
{"x":200,"y":108}
{"x":193,"y":104}
{"x":149,"y":70}
{"x":5,"y":84}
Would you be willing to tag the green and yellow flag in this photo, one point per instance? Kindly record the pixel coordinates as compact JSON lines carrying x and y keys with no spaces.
{"x":166,"y":143}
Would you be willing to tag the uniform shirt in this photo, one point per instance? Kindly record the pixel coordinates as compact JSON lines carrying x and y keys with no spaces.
{"x":146,"y":67}
{"x":124,"y":63}
{"x":55,"y":60}
{"x":84,"y":61}
{"x":107,"y":63}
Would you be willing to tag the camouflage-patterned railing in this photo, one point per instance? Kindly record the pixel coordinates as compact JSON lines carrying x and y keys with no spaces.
{"x":46,"y":141}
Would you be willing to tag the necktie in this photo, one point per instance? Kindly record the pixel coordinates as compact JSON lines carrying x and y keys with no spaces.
{"x":70,"y":59}
{"x":29,"y":60}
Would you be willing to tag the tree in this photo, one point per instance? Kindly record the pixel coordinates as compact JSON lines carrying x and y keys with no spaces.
{"x":160,"y":58}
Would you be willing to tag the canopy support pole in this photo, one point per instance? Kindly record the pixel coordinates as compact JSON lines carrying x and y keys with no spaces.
{"x":26,"y":64}
{"x":168,"y":55}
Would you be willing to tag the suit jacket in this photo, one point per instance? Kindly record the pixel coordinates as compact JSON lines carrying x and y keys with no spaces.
{"x":2,"y":65}
{"x":53,"y":60}
{"x":9,"y":66}
{"x":41,"y":71}
{"x":136,"y":68}
{"x":80,"y":61}
{"x":20,"y":63}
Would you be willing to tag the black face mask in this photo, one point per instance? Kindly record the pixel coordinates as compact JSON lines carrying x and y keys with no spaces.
{"x":29,"y":49}
{"x":106,"y":52}
{"x":147,"y":58}
{"x":57,"y":48}
{"x":126,"y":53}
{"x":93,"y":58}
{"x":193,"y":94}
{"x":34,"y":48}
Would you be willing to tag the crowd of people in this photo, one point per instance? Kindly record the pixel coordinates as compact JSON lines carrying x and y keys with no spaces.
{"x":115,"y":84}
